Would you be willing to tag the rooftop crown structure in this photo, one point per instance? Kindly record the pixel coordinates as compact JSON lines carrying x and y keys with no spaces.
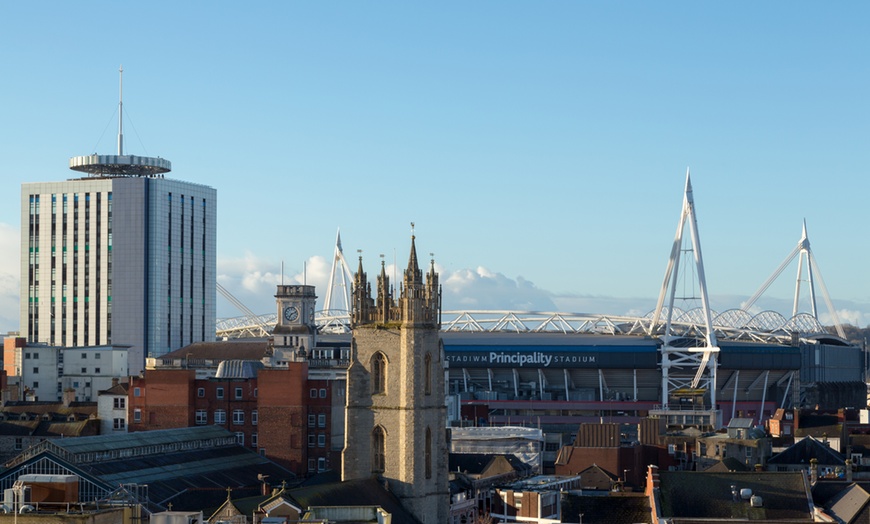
{"x":122,"y":256}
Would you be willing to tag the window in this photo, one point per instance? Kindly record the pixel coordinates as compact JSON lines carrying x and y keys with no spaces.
{"x":427,"y":375}
{"x":322,"y":392}
{"x":379,"y":373}
{"x":428,"y":452}
{"x":200,"y":392}
{"x":136,"y":392}
{"x":220,"y":416}
{"x":35,"y":384}
{"x":35,"y":371}
{"x":321,"y":420}
{"x":26,"y":356}
{"x":97,"y":356}
{"x":84,"y":370}
{"x":220,"y":392}
{"x":238,"y":392}
{"x":118,"y":424}
{"x":311,"y":463}
{"x":321,"y":440}
{"x":240,"y":438}
{"x":201,"y":417}
{"x":96,"y":371}
{"x":84,"y":356}
{"x":311,"y":440}
{"x":311,"y":421}
{"x":378,"y":450}
{"x":255,"y":392}
{"x":313,"y":393}
{"x":253,"y":440}
{"x":238,"y":416}
{"x":19,"y":443}
{"x":137,"y":415}
{"x":254,"y":417}
{"x":120,"y":403}
{"x":321,"y":464}
{"x":36,"y":355}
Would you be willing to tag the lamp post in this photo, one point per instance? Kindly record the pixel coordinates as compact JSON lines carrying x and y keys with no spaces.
{"x":625,"y":476}
{"x":16,"y":500}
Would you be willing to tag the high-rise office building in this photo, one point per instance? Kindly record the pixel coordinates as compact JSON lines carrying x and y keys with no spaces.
{"x":119,"y":256}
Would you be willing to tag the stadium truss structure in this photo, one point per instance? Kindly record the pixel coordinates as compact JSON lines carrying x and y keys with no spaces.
{"x":733,"y":324}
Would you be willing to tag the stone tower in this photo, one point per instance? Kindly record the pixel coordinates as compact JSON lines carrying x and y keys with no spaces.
{"x":395,"y":427}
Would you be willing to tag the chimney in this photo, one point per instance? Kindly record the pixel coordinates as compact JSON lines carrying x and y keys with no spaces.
{"x":115,"y":381}
{"x":69,"y":396}
{"x":848,"y":470}
{"x":814,"y":471}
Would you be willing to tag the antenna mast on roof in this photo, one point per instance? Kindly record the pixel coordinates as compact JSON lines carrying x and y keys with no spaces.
{"x":121,"y":111}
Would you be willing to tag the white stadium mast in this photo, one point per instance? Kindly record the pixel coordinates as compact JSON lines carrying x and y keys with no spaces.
{"x":336,"y":305}
{"x":687,"y":372}
{"x":805,"y":256}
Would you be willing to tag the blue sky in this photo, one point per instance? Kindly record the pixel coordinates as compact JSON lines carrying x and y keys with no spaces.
{"x":540,"y":148}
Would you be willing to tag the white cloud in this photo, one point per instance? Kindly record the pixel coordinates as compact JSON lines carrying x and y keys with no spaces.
{"x":10,"y":270}
{"x":253,"y":281}
{"x":484,"y":289}
{"x":855,"y":317}
{"x":576,"y":303}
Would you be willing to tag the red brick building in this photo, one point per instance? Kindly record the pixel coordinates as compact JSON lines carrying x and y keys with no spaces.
{"x":278,"y":412}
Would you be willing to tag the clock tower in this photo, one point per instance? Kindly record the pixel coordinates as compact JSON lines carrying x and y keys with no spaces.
{"x":295,"y":331}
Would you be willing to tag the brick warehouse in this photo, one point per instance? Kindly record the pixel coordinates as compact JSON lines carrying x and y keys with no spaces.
{"x":279,"y":412}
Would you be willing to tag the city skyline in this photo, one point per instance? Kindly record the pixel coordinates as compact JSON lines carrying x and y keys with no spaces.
{"x":540,"y":150}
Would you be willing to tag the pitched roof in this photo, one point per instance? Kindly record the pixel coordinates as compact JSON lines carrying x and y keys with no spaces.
{"x":19,"y":407}
{"x":485,"y":464}
{"x":740,"y":423}
{"x":190,"y":469}
{"x":849,"y":503}
{"x":702,"y":495}
{"x":596,"y":478}
{"x":118,"y":389}
{"x":606,"y":510}
{"x":728,"y":464}
{"x":365,"y":492}
{"x":247,"y":349}
{"x":807,"y":449}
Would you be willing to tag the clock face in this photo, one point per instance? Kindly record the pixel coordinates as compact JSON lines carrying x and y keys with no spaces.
{"x":291,"y":313}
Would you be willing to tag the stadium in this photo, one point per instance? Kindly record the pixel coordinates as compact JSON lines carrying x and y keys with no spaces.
{"x":690,"y":367}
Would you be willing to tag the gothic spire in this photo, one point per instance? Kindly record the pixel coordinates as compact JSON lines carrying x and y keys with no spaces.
{"x":412,"y":261}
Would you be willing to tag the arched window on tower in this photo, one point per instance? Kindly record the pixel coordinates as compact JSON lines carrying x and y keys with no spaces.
{"x":378,"y":449}
{"x":427,"y":373}
{"x":379,"y":373}
{"x":428,"y":452}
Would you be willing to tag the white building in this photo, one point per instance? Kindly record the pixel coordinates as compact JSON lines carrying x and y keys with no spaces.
{"x":45,"y":372}
{"x":112,"y":408}
{"x":119,"y":256}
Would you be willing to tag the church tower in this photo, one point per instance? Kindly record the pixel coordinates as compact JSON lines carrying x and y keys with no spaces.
{"x":395,"y":426}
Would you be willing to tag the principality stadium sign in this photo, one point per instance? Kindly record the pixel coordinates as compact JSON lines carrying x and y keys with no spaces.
{"x":519,"y":359}
{"x":550,"y":359}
